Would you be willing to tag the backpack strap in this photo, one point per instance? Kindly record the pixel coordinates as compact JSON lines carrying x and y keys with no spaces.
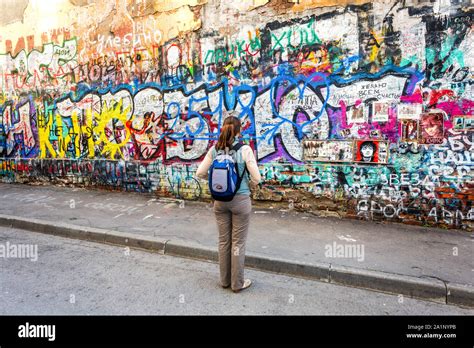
{"x":236,"y":148}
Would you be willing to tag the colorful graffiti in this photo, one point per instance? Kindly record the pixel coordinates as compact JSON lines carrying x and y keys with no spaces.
{"x":344,"y":106}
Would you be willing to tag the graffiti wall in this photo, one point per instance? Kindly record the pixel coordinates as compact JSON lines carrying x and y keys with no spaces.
{"x":361,"y":109}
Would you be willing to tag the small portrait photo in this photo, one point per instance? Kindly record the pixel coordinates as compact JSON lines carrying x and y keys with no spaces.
{"x":345,"y":132}
{"x":463,"y":122}
{"x":432,"y":128}
{"x":380,"y":111}
{"x":371,"y":151}
{"x":375,"y":133}
{"x":458,"y":122}
{"x":469,"y":122}
{"x":357,"y":114}
{"x":409,"y":111}
{"x":409,"y":130}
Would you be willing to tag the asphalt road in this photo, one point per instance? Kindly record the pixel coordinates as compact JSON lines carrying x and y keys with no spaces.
{"x":73,"y":277}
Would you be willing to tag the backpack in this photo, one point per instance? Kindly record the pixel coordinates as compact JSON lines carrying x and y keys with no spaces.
{"x":224,"y":179}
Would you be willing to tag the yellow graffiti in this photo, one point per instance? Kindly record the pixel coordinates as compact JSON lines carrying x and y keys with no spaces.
{"x":375,"y":48}
{"x":43,"y":135}
{"x":55,"y":137}
{"x":107,"y":121}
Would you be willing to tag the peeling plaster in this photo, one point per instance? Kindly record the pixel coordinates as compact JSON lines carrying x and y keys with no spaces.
{"x":12,"y":11}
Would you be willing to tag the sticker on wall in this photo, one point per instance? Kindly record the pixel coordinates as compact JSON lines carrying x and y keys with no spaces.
{"x":409,"y":130}
{"x":431,"y":128}
{"x":345,"y":132}
{"x":371,"y":151}
{"x":380,"y":111}
{"x":328,"y":150}
{"x":409,"y":111}
{"x":464,"y":122}
{"x":375,"y":133}
{"x":469,"y":123}
{"x":357,"y":114}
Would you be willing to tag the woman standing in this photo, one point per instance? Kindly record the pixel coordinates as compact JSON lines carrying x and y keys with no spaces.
{"x":233,"y":217}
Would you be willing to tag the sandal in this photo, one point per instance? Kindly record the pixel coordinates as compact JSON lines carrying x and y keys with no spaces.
{"x":247,"y":283}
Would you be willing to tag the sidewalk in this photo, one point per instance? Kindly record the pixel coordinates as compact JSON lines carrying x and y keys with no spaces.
{"x":415,"y":261}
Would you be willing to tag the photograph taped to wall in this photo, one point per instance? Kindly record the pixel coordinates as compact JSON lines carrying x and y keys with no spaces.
{"x":409,"y":130}
{"x":371,"y":151}
{"x":409,"y":111}
{"x":432,"y":128}
{"x":469,"y":123}
{"x":380,"y":111}
{"x":375,"y":133}
{"x":463,"y":122}
{"x":345,"y":132}
{"x":328,"y":150}
{"x":458,"y":122}
{"x":357,"y":114}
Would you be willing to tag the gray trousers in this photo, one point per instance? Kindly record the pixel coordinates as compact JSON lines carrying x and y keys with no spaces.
{"x":233,"y":223}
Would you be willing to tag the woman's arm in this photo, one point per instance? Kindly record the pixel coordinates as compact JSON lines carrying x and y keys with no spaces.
{"x":203,"y":168}
{"x":251,"y":162}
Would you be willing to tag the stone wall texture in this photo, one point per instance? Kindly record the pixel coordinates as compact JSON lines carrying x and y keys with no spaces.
{"x":353,"y":108}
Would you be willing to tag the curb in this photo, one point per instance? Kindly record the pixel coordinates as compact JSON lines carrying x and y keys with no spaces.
{"x":422,"y":288}
{"x":429,"y":289}
{"x":460,"y":294}
{"x":315,"y":271}
{"x":84,"y":233}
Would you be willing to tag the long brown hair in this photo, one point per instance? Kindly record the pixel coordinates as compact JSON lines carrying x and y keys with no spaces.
{"x":229,"y":130}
